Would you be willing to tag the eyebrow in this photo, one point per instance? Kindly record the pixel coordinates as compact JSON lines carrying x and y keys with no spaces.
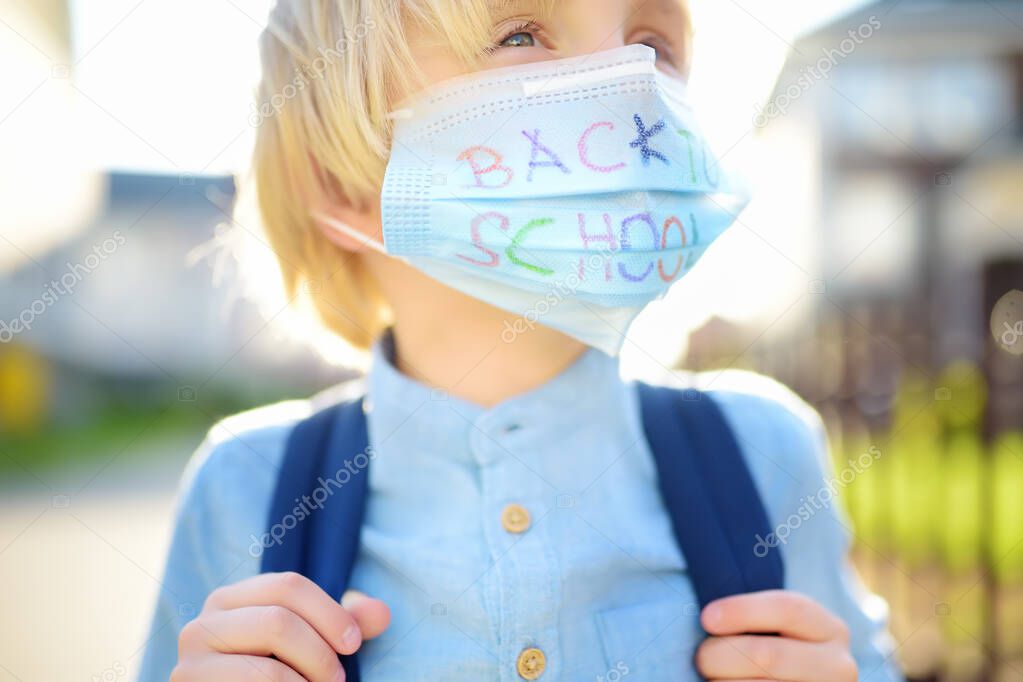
{"x":667,"y":7}
{"x":541,"y":8}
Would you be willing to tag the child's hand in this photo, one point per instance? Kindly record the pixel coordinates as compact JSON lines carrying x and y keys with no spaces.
{"x":812,"y":644}
{"x":276,"y":626}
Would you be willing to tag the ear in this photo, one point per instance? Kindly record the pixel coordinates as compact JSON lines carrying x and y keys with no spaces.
{"x":348,"y":228}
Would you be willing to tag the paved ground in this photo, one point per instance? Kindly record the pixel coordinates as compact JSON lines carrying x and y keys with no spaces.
{"x":79,"y":573}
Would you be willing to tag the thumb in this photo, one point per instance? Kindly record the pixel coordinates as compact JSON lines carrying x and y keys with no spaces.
{"x":372,"y":615}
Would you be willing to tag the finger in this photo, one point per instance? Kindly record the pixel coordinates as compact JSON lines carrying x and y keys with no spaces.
{"x":234,"y":669}
{"x":757,"y":657}
{"x":268,"y":631}
{"x":298,"y":594}
{"x":372,"y":615}
{"x":773,"y":611}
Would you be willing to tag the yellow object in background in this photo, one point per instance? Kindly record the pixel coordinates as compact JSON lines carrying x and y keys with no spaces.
{"x":24,"y":389}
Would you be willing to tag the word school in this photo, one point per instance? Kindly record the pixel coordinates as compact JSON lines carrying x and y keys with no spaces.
{"x":653,"y":231}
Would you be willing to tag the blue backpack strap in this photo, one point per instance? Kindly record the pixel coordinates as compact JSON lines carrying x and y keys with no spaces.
{"x":715,"y":509}
{"x":714,"y":505}
{"x":319,"y":503}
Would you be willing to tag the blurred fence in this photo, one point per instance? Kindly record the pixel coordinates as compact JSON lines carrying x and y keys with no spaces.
{"x":938,"y":526}
{"x":937,"y":513}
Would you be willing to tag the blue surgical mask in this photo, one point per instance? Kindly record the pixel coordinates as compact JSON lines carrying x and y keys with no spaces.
{"x":571,"y":193}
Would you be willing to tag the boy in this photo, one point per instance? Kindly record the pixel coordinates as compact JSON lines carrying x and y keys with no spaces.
{"x":513,"y":527}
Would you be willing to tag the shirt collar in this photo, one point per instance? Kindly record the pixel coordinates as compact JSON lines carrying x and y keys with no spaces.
{"x":590,"y":386}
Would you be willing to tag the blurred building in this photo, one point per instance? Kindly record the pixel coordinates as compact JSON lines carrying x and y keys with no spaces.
{"x":100,"y":289}
{"x":134,"y":297}
{"x":921,"y":139}
{"x":909,"y":116}
{"x":911,"y":110}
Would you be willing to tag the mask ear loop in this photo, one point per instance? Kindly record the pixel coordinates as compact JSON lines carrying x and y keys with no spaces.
{"x":350,"y":231}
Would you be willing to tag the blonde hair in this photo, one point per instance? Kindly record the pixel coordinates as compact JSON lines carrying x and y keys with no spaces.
{"x":331,"y":70}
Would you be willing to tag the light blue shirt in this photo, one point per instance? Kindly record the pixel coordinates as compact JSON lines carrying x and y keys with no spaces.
{"x":596,"y":582}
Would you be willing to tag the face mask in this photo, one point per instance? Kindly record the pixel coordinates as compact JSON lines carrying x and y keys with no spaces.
{"x":571,"y":193}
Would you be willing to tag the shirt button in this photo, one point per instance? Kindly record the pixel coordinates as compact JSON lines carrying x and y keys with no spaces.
{"x":531,"y":664}
{"x":515,"y":518}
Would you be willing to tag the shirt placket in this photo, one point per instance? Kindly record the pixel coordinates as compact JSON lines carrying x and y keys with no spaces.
{"x":521,"y":587}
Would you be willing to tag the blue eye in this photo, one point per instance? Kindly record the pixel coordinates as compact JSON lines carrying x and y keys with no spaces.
{"x":520,"y":39}
{"x":521,"y":34}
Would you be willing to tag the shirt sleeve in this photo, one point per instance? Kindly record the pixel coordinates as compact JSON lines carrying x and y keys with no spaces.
{"x":785,"y":443}
{"x":221,"y":512}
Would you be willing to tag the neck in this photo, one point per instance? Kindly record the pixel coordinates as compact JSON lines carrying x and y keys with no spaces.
{"x":462,"y":346}
{"x":466,"y":355}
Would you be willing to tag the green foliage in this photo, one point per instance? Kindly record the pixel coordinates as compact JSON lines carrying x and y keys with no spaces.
{"x":938,"y":493}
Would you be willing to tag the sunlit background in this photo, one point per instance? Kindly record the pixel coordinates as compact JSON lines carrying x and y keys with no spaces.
{"x":877,"y":271}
